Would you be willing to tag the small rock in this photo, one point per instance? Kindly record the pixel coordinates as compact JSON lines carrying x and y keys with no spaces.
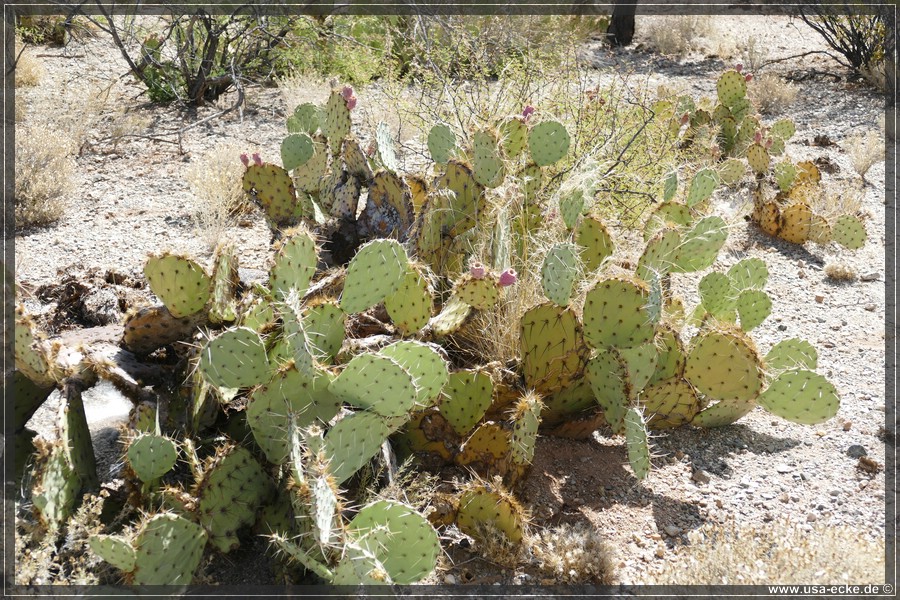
{"x":450,"y":578}
{"x":820,"y":298}
{"x":856,"y":451}
{"x":784,"y":498}
{"x":871,"y":307}
{"x":847,"y":425}
{"x":811,"y":518}
{"x":719,"y":503}
{"x":679,"y":454}
{"x":783,"y":468}
{"x":873,"y":276}
{"x":835,"y":492}
{"x":672,"y":530}
{"x":700,"y":476}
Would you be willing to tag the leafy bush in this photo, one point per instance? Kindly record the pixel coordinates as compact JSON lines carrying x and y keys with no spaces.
{"x":858,"y":39}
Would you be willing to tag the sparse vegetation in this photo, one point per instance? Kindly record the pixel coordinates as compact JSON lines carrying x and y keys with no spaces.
{"x":44,"y":170}
{"x":839,"y":271}
{"x":215,"y":182}
{"x":865,"y":149}
{"x":678,"y":35}
{"x":772,"y":94}
{"x":29,"y":69}
{"x":574,"y":554}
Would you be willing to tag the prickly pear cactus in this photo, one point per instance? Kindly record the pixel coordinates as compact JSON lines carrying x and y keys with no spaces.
{"x":559,"y":272}
{"x":637,"y":443}
{"x":548,"y":143}
{"x":152,"y":456}
{"x":467,"y":396}
{"x":181,"y":284}
{"x":235,"y":359}
{"x":376,"y":272}
{"x":484,"y":504}
{"x":411,"y":306}
{"x":441,"y":143}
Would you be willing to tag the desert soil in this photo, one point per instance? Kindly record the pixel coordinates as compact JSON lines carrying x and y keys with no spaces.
{"x":132,"y":199}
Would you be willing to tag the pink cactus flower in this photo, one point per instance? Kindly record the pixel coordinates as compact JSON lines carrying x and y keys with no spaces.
{"x":758,"y":137}
{"x":347,"y":92}
{"x":351,"y":103}
{"x":748,"y":77}
{"x":685,"y":118}
{"x":477,"y":271}
{"x":245,"y":159}
{"x":257,"y":159}
{"x":529,"y":110}
{"x":508,"y":277}
{"x":739,"y":67}
{"x":769,"y":143}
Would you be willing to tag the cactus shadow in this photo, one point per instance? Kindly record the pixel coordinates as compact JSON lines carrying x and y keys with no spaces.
{"x":760,"y":239}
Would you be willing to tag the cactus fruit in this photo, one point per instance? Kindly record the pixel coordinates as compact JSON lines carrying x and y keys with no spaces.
{"x":272,"y":187}
{"x":637,"y":443}
{"x":485,"y":504}
{"x":295,"y":264}
{"x":336,"y":125}
{"x":849,"y":232}
{"x":377,"y":271}
{"x":724,"y":365}
{"x":615,"y":314}
{"x":151,"y":456}
{"x":552,"y":347}
{"x":801,"y":396}
{"x":426,"y":367}
{"x":353,"y":441}
{"x":669,"y":403}
{"x":480,"y":294}
{"x":467,"y":396}
{"x":702,"y":186}
{"x":401,"y":539}
{"x":559,"y":271}
{"x":410,"y":307}
{"x":228,"y":494}
{"x":235,"y":359}
{"x":487,"y":165}
{"x":378,"y":383}
{"x":385,"y":143}
{"x":441,"y":143}
{"x":753,"y":306}
{"x":789,"y":354}
{"x":548,"y":142}
{"x":181,"y":284}
{"x":296,"y":150}
{"x":307,"y":118}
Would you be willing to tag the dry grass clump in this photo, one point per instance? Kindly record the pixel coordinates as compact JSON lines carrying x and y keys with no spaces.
{"x":574,"y":554}
{"x":845,"y":198}
{"x":775,"y":553}
{"x":865,"y":149}
{"x":29,"y":70}
{"x":754,"y":54}
{"x":678,"y":35}
{"x":772,"y":94}
{"x":839,"y":271}
{"x":215,"y":182}
{"x":44,"y":169}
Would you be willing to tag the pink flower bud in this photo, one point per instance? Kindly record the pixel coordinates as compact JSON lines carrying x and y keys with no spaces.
{"x":257,"y":159}
{"x":351,"y":102}
{"x":245,"y":159}
{"x":769,"y":142}
{"x":476,"y":270}
{"x":508,"y":277}
{"x":739,"y":67}
{"x":528,"y":112}
{"x":685,"y":118}
{"x":748,"y":77}
{"x":758,"y":137}
{"x":347,"y":92}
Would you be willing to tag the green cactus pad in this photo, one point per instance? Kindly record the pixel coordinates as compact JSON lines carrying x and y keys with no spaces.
{"x":671,"y":357}
{"x":181,"y":284}
{"x":548,"y":142}
{"x":273,"y":188}
{"x":615,"y":314}
{"x":402,"y":540}
{"x":526,"y":420}
{"x":559,"y":272}
{"x":468,"y":201}
{"x":225,"y":282}
{"x":115,"y":550}
{"x":571,"y":206}
{"x":700,"y":246}
{"x":487,"y":449}
{"x":339,"y":194}
{"x":441,"y":143}
{"x":167,"y":551}
{"x":355,"y":161}
{"x":480,"y":294}
{"x":377,"y":271}
{"x":378,"y":383}
{"x":702,"y":186}
{"x":608,"y":375}
{"x":723,"y":365}
{"x":296,"y":150}
{"x":657,"y":256}
{"x":568,"y":401}
{"x":484,"y":505}
{"x":670,"y":403}
{"x":758,"y":158}
{"x":152,"y":456}
{"x":307,"y":118}
{"x":307,"y":176}
{"x":467,"y":396}
{"x":849,"y":232}
{"x":785,"y":174}
{"x":789,"y":354}
{"x":731,"y":87}
{"x":353,"y":441}
{"x":513,"y":136}
{"x":30,"y":358}
{"x":359,"y":566}
{"x":670,"y":186}
{"x":28,"y":397}
{"x":295,"y":265}
{"x":723,"y":413}
{"x":718,"y":295}
{"x":486,"y":160}
{"x":667,"y":215}
{"x":783,"y":129}
{"x":337,"y":121}
{"x":776,"y":148}
{"x":552,"y":347}
{"x":749,"y":274}
{"x":324,"y":326}
{"x":451,"y":318}
{"x":731,"y":171}
{"x":387,"y":155}
{"x":291,"y":397}
{"x":228,"y":494}
{"x":641,"y":363}
{"x":76,"y":437}
{"x":235,"y":359}
{"x":595,"y":243}
{"x":56,"y":490}
{"x":753,"y":306}
{"x":637,"y":443}
{"x":429,"y":371}
{"x":411,"y":305}
{"x":801,"y":396}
